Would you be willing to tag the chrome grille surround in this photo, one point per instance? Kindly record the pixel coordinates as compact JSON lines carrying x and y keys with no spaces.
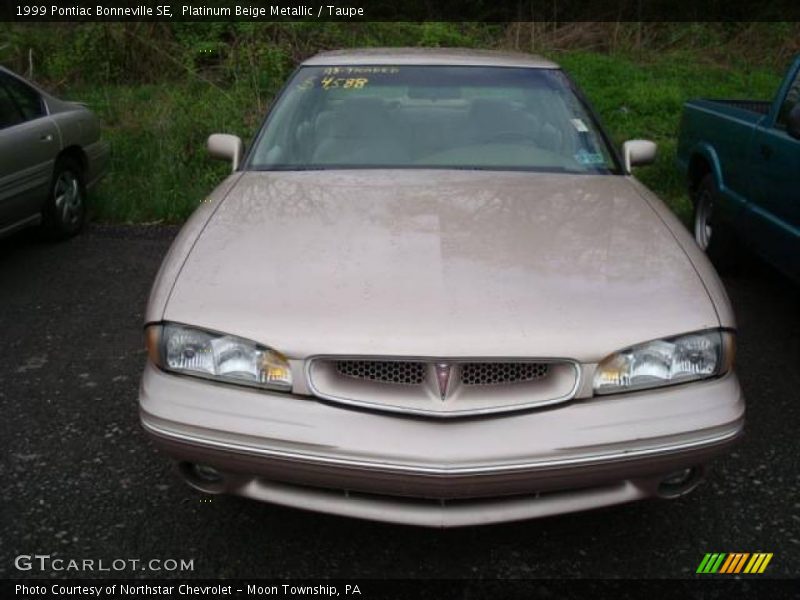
{"x":491,"y":386}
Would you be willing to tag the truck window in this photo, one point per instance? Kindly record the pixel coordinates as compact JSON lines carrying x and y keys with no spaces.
{"x":789,"y":102}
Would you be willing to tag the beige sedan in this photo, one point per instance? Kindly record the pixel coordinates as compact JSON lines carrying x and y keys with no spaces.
{"x":51,"y":153}
{"x":432,"y":293}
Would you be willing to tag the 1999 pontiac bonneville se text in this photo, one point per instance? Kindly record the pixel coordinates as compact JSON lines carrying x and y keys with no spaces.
{"x":432,"y":293}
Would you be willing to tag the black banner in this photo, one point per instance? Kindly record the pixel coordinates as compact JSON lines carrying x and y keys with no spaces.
{"x":438,"y":589}
{"x":32,"y":11}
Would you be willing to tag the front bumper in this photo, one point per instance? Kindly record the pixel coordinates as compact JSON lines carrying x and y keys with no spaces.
{"x":305,"y":453}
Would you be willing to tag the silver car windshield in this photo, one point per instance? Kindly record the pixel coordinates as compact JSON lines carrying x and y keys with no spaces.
{"x":496,"y":118}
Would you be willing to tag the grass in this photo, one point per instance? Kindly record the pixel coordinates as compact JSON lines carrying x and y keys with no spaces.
{"x":159,"y":167}
{"x":160,"y":171}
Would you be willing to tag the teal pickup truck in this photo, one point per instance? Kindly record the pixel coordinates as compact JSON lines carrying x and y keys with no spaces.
{"x":742,"y":162}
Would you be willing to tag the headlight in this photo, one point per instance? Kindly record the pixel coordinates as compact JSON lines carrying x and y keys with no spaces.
{"x":217,"y":356}
{"x":664,"y":362}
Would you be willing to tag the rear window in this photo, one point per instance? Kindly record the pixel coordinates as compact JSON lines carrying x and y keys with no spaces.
{"x":791,"y":100}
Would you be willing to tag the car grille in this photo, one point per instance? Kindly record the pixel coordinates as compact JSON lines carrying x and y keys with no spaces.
{"x":443,"y":387}
{"x":384,"y":371}
{"x":490,"y":373}
{"x":414,"y":372}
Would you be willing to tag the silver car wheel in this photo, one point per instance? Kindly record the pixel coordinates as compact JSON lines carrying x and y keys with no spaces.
{"x":68,"y":198}
{"x":702,"y":220}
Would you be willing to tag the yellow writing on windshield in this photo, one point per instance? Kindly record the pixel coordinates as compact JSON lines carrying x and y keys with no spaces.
{"x":352,"y":83}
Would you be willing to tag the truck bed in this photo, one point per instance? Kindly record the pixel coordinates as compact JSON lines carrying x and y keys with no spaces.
{"x":757,"y":106}
{"x":749,"y":110}
{"x":727,"y":125}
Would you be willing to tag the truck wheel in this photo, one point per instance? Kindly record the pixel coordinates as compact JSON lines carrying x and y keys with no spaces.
{"x":65,"y":210}
{"x":713,"y":237}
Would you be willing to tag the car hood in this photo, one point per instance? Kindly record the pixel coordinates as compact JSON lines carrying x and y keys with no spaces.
{"x":439,"y":263}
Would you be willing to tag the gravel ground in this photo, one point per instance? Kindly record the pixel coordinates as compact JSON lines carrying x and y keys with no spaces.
{"x":81,"y":480}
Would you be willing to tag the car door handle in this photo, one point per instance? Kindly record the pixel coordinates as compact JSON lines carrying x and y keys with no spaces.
{"x":46,"y":138}
{"x":766,"y":151}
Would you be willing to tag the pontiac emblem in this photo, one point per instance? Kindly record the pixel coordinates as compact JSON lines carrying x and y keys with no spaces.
{"x":443,"y":378}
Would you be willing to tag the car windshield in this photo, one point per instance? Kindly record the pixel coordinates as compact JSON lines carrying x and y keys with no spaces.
{"x":427,"y":117}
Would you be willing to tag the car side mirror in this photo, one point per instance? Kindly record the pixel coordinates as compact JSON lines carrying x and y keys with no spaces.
{"x":793,"y":122}
{"x":637,"y":153}
{"x":226,"y":147}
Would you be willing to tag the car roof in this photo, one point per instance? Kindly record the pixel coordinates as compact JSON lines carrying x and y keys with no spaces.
{"x":429,"y":56}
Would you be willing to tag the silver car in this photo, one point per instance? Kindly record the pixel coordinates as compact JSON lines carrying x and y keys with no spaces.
{"x":433,"y":293}
{"x":50,"y":155}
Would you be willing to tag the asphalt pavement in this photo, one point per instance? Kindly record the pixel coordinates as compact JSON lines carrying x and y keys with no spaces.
{"x":81,"y":481}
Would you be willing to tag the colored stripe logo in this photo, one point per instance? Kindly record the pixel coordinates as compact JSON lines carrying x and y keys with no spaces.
{"x":734,"y":563}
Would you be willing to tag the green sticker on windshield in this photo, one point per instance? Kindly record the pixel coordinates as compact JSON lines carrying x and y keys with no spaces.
{"x":590,"y":158}
{"x":306,"y":84}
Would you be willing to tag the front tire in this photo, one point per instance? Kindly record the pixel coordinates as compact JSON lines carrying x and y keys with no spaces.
{"x":64,"y":213}
{"x":712,"y":235}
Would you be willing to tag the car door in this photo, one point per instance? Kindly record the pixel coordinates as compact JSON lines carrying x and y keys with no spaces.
{"x":29,"y":144}
{"x":775,"y":214}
